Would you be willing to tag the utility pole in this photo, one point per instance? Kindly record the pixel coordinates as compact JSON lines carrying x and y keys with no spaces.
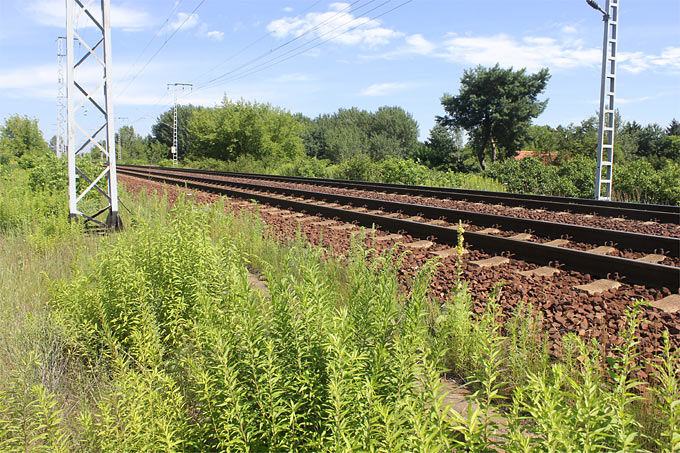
{"x":120,"y":139}
{"x":94,"y":34}
{"x":605,"y":143}
{"x":175,"y":142}
{"x":61,"y":99}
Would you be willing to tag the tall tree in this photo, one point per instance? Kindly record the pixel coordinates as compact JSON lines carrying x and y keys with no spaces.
{"x":391,"y":131}
{"x":241,"y":128}
{"x":673,"y":128}
{"x":21,"y":137}
{"x":442,"y":148}
{"x":495,"y":106}
{"x":130,"y":146}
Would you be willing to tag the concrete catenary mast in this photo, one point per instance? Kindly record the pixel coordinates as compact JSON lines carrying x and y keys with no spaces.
{"x":175,"y":142}
{"x":60,"y":143}
{"x":605,"y":144}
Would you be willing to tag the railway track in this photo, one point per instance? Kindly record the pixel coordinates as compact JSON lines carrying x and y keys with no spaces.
{"x":635,"y":211}
{"x":641,"y":256}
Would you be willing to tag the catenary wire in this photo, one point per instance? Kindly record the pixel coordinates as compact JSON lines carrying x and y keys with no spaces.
{"x":268,"y":53}
{"x":281,"y":59}
{"x":248,"y":46}
{"x":162,"y":46}
{"x":148,"y":44}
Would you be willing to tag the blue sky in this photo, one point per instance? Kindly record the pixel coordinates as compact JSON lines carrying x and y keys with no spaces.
{"x":365,"y":53}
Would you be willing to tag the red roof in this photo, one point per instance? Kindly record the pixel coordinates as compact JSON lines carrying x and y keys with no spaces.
{"x":546,"y":157}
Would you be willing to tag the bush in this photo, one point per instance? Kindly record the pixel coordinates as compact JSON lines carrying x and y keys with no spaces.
{"x":527,"y":175}
{"x":637,"y":181}
{"x":640,"y":181}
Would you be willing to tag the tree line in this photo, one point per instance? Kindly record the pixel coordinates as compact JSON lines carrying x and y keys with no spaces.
{"x":494,"y":109}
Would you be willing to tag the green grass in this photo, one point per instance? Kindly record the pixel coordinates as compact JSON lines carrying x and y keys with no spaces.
{"x":152,"y":339}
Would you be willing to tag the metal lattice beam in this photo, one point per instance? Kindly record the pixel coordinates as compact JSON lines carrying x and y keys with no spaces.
{"x":86,"y":23}
{"x":60,"y":145}
{"x":175,"y":139}
{"x":605,"y":145}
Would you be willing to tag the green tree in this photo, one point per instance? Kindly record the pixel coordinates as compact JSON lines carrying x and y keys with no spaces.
{"x":542,"y":138}
{"x":495,"y":106}
{"x":348,"y":133}
{"x":442,"y":148}
{"x":21,"y":140}
{"x":673,"y":128}
{"x":236,"y":129}
{"x":130,"y":146}
{"x":392,"y":132}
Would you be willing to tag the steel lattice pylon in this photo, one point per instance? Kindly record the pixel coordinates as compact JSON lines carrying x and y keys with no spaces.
{"x":88,"y":24}
{"x":605,"y":146}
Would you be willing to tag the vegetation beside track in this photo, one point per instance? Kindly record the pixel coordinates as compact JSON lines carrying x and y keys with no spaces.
{"x":153,"y":339}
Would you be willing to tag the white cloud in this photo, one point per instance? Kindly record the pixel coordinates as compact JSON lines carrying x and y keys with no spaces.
{"x":288,"y":9}
{"x":535,"y":52}
{"x":29,"y":77}
{"x":338,"y":6}
{"x":532,"y":53}
{"x":215,"y":34}
{"x":383,"y":89}
{"x":205,"y":32}
{"x":53,"y":13}
{"x":40,"y":81}
{"x":335,"y":25}
{"x":293,"y":77}
{"x":621,"y":101}
{"x":636,"y":62}
{"x":419,"y":45}
{"x":413,"y":45}
{"x":184,"y":21}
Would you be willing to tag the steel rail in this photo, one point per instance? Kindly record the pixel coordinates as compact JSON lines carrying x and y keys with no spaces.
{"x":635,"y":211}
{"x":632,"y":271}
{"x":636,"y":241}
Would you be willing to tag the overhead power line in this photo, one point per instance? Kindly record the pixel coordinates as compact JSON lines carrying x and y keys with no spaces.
{"x":248,"y":46}
{"x":163,"y":45}
{"x":290,"y":41}
{"x":302,"y":48}
{"x":153,"y":38}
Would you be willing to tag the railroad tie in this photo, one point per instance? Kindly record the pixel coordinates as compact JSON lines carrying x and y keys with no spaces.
{"x":521,"y":237}
{"x":603,"y":250}
{"x":543,"y":271}
{"x":669,"y":304}
{"x":491,"y":262}
{"x":558,"y":242}
{"x":489,"y":231}
{"x":344,"y":226}
{"x":598,"y":286}
{"x":388,"y":237}
{"x":324,"y":223}
{"x":653,"y":258}
{"x":419,"y":245}
{"x":448,"y":252}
